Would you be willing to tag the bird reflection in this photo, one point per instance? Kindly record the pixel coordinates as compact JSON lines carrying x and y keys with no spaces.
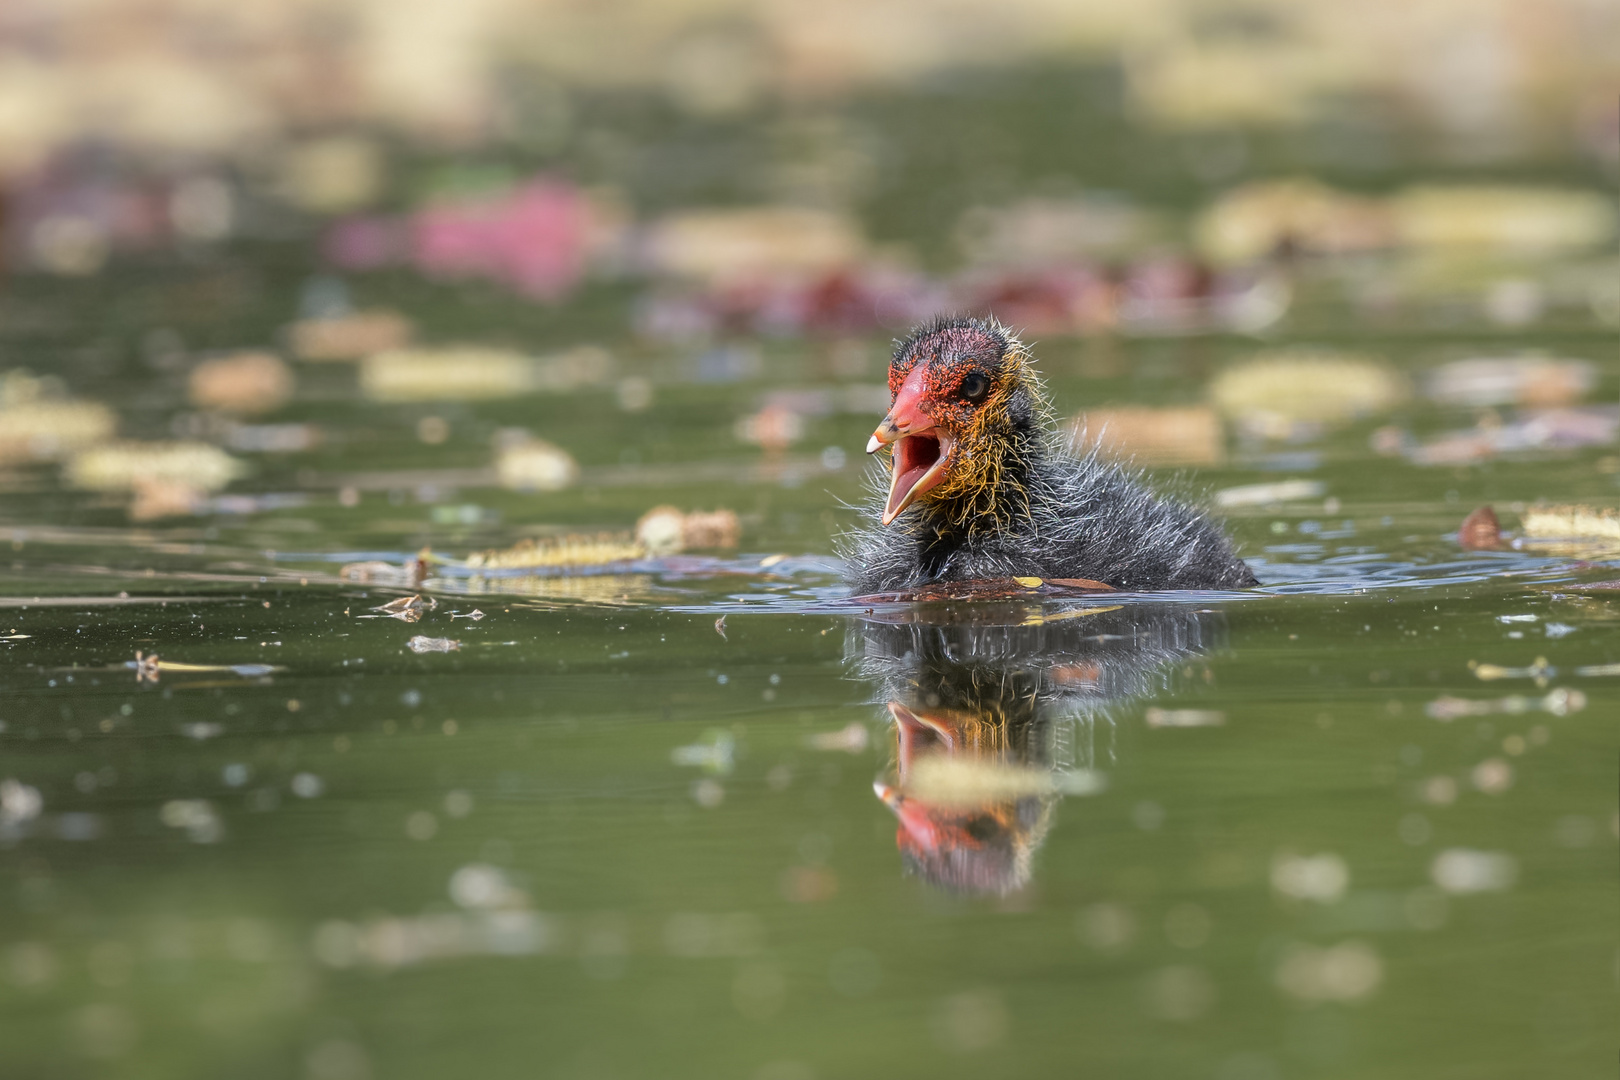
{"x":994,"y":711}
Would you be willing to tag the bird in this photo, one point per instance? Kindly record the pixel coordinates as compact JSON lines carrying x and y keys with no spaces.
{"x":994,"y":718}
{"x":981,"y":486}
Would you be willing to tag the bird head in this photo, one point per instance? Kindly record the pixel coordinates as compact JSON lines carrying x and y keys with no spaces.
{"x":971,"y":814}
{"x":965,"y":408}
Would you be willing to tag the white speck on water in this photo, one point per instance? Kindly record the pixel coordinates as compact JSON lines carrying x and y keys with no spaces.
{"x":19,"y":802}
{"x":1464,"y":870}
{"x":715,"y":753}
{"x":307,"y":785}
{"x":1557,"y":630}
{"x":1323,"y":877}
{"x":1516,"y":618}
{"x":236,"y":774}
{"x":1147,"y":815}
{"x":1345,"y":972}
{"x":1492,"y":776}
{"x":1107,"y":927}
{"x":708,"y":793}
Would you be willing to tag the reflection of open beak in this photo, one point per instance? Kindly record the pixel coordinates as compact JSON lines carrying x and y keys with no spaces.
{"x":918,"y":732}
{"x":920,"y":449}
{"x":913,"y":816}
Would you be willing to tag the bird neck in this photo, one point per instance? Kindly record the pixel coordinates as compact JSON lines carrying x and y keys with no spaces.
{"x":994,"y":497}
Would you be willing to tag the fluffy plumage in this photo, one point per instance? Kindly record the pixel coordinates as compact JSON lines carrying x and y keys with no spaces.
{"x":1017,"y":501}
{"x":1020,"y":695}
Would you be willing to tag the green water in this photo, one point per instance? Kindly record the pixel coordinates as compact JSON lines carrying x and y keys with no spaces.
{"x":604,"y":838}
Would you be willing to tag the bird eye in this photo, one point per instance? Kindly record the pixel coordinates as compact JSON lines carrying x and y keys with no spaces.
{"x":975,"y":387}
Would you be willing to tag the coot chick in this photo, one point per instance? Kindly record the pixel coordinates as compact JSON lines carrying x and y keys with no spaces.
{"x":982,"y":487}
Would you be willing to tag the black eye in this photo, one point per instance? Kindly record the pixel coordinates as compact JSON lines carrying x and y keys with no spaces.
{"x":975,"y":387}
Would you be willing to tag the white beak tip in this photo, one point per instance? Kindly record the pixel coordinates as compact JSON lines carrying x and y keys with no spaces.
{"x":874,"y":444}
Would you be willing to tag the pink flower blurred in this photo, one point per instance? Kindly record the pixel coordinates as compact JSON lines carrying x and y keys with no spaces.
{"x":533,"y":239}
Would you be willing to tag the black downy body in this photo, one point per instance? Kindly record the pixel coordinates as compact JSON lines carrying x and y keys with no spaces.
{"x":1058,"y":515}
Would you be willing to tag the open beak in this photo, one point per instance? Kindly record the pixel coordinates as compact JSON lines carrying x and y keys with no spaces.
{"x":913,"y":816}
{"x":920,"y":449}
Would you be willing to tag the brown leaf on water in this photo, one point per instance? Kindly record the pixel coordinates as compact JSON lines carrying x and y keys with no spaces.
{"x":407,"y":608}
{"x":156,"y":499}
{"x":349,"y":337}
{"x":243,"y":382}
{"x":1480,"y":531}
{"x":1080,"y":583}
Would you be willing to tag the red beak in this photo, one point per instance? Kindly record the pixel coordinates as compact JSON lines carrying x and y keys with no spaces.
{"x":920,"y":448}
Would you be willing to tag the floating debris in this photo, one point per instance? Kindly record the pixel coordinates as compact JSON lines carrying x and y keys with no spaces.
{"x":474,"y":615}
{"x":405,"y":608}
{"x":1295,"y":394}
{"x":1559,"y":703}
{"x":198,"y":817}
{"x":1523,"y":380}
{"x":124,"y":466}
{"x":273,"y":438}
{"x":482,"y":887}
{"x":1184,"y":718}
{"x":720,"y":628}
{"x":157,"y":499}
{"x":852,"y":738}
{"x":716,"y":753}
{"x":392,"y":942}
{"x":529,"y":464}
{"x":245,"y":382}
{"x":1540,"y":671}
{"x":421,"y":644}
{"x":753,"y":242}
{"x":35,"y":426}
{"x":1322,"y":878}
{"x":1346,"y":972}
{"x":666,"y":530}
{"x":559,"y":552}
{"x":202,"y":730}
{"x":349,"y":337}
{"x":1465,"y":870}
{"x":1571,"y":523}
{"x":774,"y":428}
{"x":1263,"y":218}
{"x":1595,"y":670}
{"x":479,"y":372}
{"x":1492,"y":776}
{"x":1544,"y":429}
{"x":1518,"y":218}
{"x":1268,"y":494}
{"x":148,"y":667}
{"x":19,"y":802}
{"x":1481,"y":531}
{"x":376,"y":572}
{"x":1184,"y":436}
